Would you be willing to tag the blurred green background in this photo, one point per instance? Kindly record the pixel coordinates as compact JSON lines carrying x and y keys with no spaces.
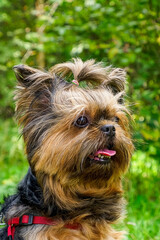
{"x":122,"y":33}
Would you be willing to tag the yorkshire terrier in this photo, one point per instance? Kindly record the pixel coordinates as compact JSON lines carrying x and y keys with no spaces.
{"x":78,"y":144}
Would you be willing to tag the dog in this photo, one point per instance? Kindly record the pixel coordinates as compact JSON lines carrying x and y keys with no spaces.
{"x":76,"y":130}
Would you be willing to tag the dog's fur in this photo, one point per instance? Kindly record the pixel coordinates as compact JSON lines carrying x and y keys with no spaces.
{"x":63,"y":181}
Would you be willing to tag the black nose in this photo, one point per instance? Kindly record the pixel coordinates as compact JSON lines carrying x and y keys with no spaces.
{"x":109,"y":130}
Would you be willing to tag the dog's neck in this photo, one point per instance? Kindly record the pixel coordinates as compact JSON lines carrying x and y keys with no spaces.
{"x":108,"y":208}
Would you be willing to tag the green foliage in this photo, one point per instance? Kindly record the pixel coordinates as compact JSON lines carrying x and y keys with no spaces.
{"x":121,"y":33}
{"x":13,"y":162}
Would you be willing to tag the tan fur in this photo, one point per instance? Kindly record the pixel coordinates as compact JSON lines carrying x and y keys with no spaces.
{"x":92,"y":72}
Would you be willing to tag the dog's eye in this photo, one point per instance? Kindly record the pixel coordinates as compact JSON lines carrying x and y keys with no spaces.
{"x":82,"y":122}
{"x":121,"y":100}
{"x":116,"y":119}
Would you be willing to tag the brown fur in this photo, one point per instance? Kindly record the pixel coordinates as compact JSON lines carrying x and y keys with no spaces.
{"x":57,"y":150}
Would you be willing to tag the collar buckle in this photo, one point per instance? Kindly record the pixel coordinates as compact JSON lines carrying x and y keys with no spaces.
{"x":23,"y":222}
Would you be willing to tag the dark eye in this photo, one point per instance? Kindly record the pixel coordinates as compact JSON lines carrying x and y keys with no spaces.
{"x":121,"y":100}
{"x":116,"y":119}
{"x":82,"y":122}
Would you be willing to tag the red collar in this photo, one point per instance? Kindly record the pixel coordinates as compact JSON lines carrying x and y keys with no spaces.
{"x":26,"y":220}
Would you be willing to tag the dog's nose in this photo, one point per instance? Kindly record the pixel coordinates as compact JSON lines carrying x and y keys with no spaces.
{"x":109,"y":130}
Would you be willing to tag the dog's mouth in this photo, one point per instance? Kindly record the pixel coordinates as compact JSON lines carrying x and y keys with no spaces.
{"x":102,"y":156}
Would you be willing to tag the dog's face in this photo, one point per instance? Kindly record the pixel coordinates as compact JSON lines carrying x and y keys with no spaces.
{"x":89,"y":135}
{"x":78,"y":135}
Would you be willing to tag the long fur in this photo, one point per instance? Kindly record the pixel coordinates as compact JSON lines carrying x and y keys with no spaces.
{"x":62,"y":183}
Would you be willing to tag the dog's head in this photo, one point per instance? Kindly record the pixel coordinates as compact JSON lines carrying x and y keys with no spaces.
{"x":76,"y":135}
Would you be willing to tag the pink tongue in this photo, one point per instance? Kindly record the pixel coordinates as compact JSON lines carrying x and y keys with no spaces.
{"x":105,"y":152}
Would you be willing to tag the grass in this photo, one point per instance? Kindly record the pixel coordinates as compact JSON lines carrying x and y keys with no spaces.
{"x":142,"y":193}
{"x":141,"y":184}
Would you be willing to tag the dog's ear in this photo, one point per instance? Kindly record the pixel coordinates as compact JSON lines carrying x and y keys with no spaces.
{"x":28,"y":76}
{"x":116,"y":80}
{"x":34,"y":92}
{"x":23,"y":74}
